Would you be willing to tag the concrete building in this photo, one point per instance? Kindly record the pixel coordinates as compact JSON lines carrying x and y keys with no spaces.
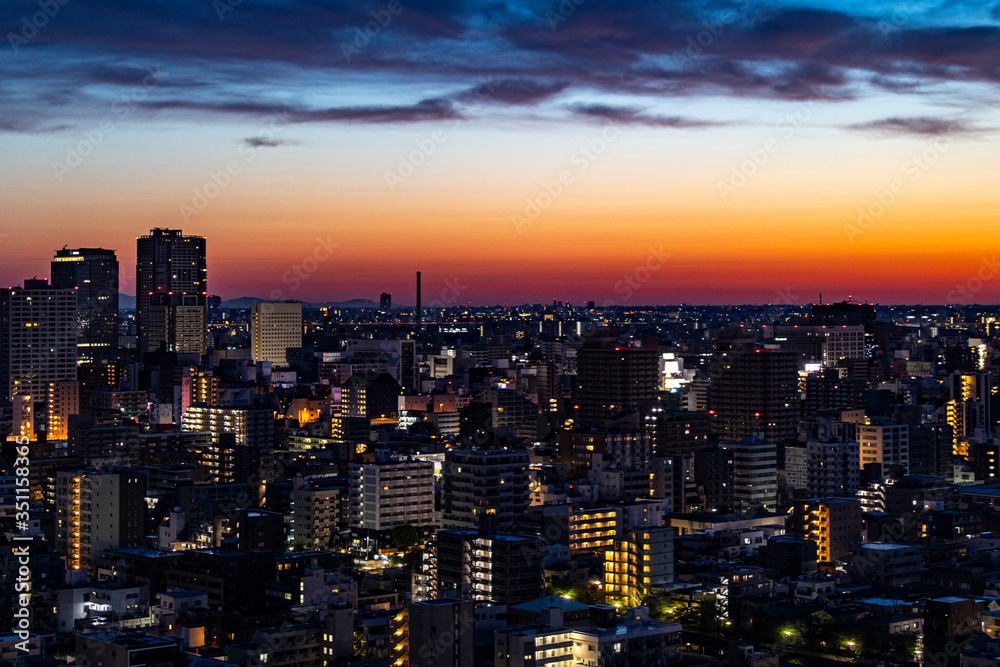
{"x":834,"y":469}
{"x":38,"y":348}
{"x":639,"y":561}
{"x":171,"y":309}
{"x":252,"y":427}
{"x":319,"y":515}
{"x":500,"y":568}
{"x":387,"y":494}
{"x":755,"y":473}
{"x":484,"y":487}
{"x":441,"y":633}
{"x":756,"y":392}
{"x":834,"y":524}
{"x":93,"y":274}
{"x":885,"y":563}
{"x":614,"y":378}
{"x":97,"y":511}
{"x":887,"y":444}
{"x":274,"y":327}
{"x":607,"y":641}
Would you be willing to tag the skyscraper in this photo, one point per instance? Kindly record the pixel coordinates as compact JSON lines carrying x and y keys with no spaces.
{"x":170,"y":278}
{"x":385,"y":303}
{"x":93,"y":273}
{"x":755,"y":391}
{"x":614,"y":378}
{"x":275,"y":327}
{"x":37,"y":348}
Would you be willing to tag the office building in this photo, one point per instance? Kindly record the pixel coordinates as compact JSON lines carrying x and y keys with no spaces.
{"x":171,"y":278}
{"x":275,"y":327}
{"x":93,"y":274}
{"x":385,"y":303}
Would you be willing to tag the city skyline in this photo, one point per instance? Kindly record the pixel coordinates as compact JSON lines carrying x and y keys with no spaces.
{"x":527,"y":151}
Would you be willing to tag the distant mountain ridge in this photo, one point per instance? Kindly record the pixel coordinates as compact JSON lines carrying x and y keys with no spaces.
{"x":126,"y":302}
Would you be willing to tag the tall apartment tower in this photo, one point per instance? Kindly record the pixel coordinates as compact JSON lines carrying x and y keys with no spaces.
{"x":171,"y":297}
{"x":756,"y":392}
{"x":93,"y":273}
{"x":275,"y":327}
{"x":38,"y":338}
{"x":614,"y":378}
{"x":485,"y":488}
{"x":388,"y":494}
{"x":97,"y":511}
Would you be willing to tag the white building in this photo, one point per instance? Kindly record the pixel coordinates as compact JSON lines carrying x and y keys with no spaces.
{"x":887,"y":444}
{"x":755,"y":473}
{"x":384,"y":495}
{"x":275,"y":326}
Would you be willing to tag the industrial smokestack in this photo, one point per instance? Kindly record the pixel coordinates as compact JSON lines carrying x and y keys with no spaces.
{"x":420,"y":314}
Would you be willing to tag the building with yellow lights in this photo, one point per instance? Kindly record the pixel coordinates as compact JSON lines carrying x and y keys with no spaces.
{"x":834,"y":524}
{"x":638,"y":562}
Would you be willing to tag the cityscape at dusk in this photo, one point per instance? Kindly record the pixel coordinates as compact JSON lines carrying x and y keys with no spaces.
{"x":841,"y":147}
{"x":510,"y":333}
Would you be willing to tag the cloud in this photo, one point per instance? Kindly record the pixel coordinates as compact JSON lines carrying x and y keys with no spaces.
{"x":632,"y":116}
{"x":266,"y":142}
{"x":429,"y":109}
{"x":916,"y":126}
{"x":512,"y":91}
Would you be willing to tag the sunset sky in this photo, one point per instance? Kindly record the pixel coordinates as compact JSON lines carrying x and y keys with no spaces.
{"x":635,"y":152}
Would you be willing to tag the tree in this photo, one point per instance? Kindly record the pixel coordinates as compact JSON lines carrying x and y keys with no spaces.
{"x":405,"y":536}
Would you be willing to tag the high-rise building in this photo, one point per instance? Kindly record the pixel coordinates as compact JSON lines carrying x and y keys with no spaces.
{"x":640,"y":560}
{"x":834,"y":524}
{"x":755,"y":473}
{"x":97,"y":511}
{"x":614,"y":378}
{"x":275,"y":327}
{"x":430,"y":622}
{"x":93,"y":273}
{"x":500,"y":568}
{"x":170,"y":278}
{"x":38,"y":345}
{"x":385,"y":303}
{"x":252,"y":427}
{"x":388,"y":494}
{"x":756,"y":392}
{"x":885,"y":444}
{"x":834,"y":469}
{"x":485,"y":488}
